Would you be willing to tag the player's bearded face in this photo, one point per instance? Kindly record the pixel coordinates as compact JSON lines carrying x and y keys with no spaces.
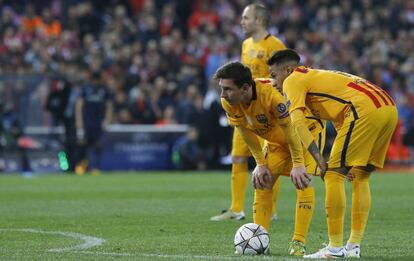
{"x":230,"y":91}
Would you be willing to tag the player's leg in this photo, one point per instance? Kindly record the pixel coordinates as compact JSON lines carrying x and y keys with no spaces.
{"x":358,"y":143}
{"x":277,"y":159}
{"x":95,"y":157}
{"x":335,"y":199}
{"x":262,"y":207}
{"x":385,"y":121}
{"x":305,"y":202}
{"x":361,"y":205}
{"x":275,"y":197}
{"x":239,"y":179}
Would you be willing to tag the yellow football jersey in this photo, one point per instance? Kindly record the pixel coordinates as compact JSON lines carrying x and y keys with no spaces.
{"x":264,"y":114}
{"x":333,"y":95}
{"x":256,"y":54}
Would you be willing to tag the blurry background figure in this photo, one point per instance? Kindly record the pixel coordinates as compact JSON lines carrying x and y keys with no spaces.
{"x":187,"y":153}
{"x":58,"y":102}
{"x":93,"y":116}
{"x":12,"y":138}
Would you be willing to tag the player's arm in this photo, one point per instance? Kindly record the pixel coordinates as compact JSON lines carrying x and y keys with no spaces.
{"x":298,"y":173}
{"x":79,"y":118}
{"x":253,"y":143}
{"x":108,"y":113}
{"x":262,"y":177}
{"x":300,"y":125}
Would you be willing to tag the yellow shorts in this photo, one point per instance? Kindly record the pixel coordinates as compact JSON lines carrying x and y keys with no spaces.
{"x":239,"y":146}
{"x":365,"y":140}
{"x":279,"y":160}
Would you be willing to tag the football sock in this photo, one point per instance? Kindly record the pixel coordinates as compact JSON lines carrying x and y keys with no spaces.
{"x":361,"y":204}
{"x":239,"y":177}
{"x":262,"y":207}
{"x":305,"y":203}
{"x":335,"y":203}
{"x":276,"y":189}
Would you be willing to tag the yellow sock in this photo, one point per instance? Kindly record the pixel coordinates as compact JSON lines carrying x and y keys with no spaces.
{"x":239,"y":177}
{"x":361,"y":204}
{"x":262,"y":207}
{"x":276,"y":189}
{"x":335,"y":203}
{"x":305,"y":203}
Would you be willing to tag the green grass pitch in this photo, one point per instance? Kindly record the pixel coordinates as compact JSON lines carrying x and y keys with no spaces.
{"x":165,"y":216}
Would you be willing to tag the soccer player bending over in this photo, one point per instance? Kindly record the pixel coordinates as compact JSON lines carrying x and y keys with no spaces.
{"x":256,"y":50}
{"x":257,"y":108}
{"x":365,"y":117}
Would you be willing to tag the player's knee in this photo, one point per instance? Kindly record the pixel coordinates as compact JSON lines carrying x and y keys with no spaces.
{"x":238,"y":159}
{"x":369,"y":168}
{"x":361,"y":174}
{"x":342,"y":170}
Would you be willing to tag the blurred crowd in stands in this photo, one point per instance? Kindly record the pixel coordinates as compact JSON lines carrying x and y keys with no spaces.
{"x":157,"y":57}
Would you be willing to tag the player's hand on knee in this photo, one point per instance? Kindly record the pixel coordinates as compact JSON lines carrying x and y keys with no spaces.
{"x":262,"y":177}
{"x":300,"y":178}
{"x":323,"y":166}
{"x":350,"y":176}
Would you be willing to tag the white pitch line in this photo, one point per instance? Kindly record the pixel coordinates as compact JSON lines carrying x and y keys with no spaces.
{"x":89,"y":241}
{"x":182,"y":257}
{"x":96,"y":241}
{"x":161,"y":255}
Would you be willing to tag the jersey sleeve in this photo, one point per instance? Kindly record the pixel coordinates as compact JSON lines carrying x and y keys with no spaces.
{"x":278,"y":107}
{"x":295,"y":91}
{"x":275,"y":46}
{"x":234,"y":116}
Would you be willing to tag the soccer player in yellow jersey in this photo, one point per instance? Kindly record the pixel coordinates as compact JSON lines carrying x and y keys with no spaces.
{"x":365,"y":118}
{"x":257,"y":108}
{"x":256,"y":50}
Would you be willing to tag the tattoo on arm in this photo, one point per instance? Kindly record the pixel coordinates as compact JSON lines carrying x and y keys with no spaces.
{"x":314,"y":150}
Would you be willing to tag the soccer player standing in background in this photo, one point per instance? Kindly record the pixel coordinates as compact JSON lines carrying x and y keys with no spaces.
{"x":365,"y":118}
{"x":94,"y":111}
{"x":256,"y":50}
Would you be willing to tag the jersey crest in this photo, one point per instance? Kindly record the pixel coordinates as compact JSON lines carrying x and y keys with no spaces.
{"x":261,"y":118}
{"x":260,"y":54}
{"x":251,"y":53}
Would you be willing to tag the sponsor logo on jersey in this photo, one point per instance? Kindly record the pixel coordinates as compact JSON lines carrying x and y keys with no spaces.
{"x":260,"y":54}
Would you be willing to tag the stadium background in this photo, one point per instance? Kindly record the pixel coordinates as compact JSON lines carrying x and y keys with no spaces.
{"x":157,"y":58}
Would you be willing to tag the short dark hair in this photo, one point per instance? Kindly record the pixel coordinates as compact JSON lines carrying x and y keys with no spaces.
{"x":262,"y":12}
{"x":282,"y":56}
{"x":238,"y":72}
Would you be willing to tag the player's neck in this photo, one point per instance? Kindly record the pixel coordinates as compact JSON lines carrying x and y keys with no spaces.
{"x":247,"y":99}
{"x":259,"y":35}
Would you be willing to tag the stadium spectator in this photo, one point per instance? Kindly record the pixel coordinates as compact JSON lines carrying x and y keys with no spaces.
{"x":190,"y":155}
{"x":140,"y":40}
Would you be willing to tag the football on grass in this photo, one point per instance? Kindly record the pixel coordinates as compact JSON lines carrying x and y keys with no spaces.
{"x":251,"y":239}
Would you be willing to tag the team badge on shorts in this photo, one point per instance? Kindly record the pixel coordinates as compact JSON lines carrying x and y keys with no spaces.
{"x":281,"y":107}
{"x":261,"y":118}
